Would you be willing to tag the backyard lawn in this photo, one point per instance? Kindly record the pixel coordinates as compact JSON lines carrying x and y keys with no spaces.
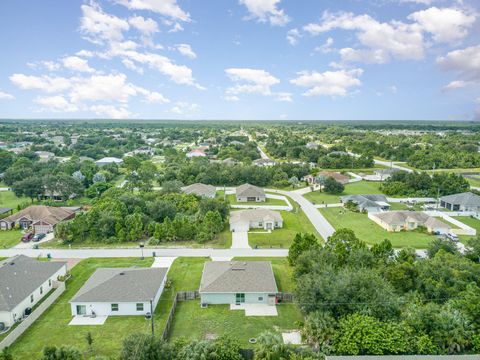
{"x":293,"y":222}
{"x":370,"y":232}
{"x":472,"y":222}
{"x":360,"y":187}
{"x":9,"y":238}
{"x":191,"y":321}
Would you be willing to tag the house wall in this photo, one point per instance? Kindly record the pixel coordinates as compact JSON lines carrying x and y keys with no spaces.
{"x":17,"y":312}
{"x":229,"y":298}
{"x":124,"y":308}
{"x":245,"y":198}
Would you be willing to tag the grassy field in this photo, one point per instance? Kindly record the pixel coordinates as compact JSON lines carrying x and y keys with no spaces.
{"x":192,"y":321}
{"x":293,"y":222}
{"x":9,"y":238}
{"x":52,"y":327}
{"x":371,"y":233}
{"x":10,"y":200}
{"x":472,"y":222}
{"x":360,"y":187}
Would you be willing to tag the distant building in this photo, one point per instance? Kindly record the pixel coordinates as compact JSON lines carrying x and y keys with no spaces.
{"x":368,"y":202}
{"x":244,"y":220}
{"x":466,"y":201}
{"x":311,"y":145}
{"x":247,"y":192}
{"x":323,"y":175}
{"x":41,"y":218}
{"x":264,"y":162}
{"x":196,"y":153}
{"x":108,"y":160}
{"x":45,"y":156}
{"x":409,"y":220}
{"x":199,"y":189}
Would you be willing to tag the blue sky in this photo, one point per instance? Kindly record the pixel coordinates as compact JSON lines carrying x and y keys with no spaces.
{"x":240,"y":59}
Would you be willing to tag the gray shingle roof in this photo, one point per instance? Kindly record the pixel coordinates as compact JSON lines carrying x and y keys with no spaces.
{"x":465,"y":199}
{"x":365,"y":200}
{"x":238,"y":276}
{"x":254,"y":215}
{"x":121,"y":285}
{"x":20,"y":276}
{"x":400,"y":217}
{"x":248,"y":190}
{"x":200,"y":189}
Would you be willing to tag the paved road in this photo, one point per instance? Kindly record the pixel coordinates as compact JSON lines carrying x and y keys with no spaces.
{"x":316,"y":218}
{"x":386,"y":163}
{"x":88,"y":253}
{"x":262,"y":153}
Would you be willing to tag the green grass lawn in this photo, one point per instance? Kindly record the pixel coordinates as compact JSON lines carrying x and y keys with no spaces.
{"x":360,"y":187}
{"x":293,"y":222}
{"x":9,"y":238}
{"x":269,"y":201}
{"x":371,"y":233}
{"x":470,"y":221}
{"x":10,"y":200}
{"x":191,"y":321}
{"x":52,"y":327}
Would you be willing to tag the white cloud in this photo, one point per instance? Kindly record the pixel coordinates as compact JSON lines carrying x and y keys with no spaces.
{"x":382,"y":41}
{"x":464,"y":62}
{"x":184,"y":108}
{"x":177,"y":27}
{"x":102,"y":88}
{"x":75,"y":63}
{"x":231,"y":98}
{"x":445,"y":25}
{"x":85,"y":53}
{"x":422,"y":2}
{"x":266,"y":10}
{"x":129,"y":64}
{"x":44,"y":83}
{"x":167,"y":8}
{"x":329,"y":83}
{"x":152,"y":97}
{"x":56,"y":103}
{"x":250,"y":81}
{"x":293,"y":35}
{"x":186,"y":50}
{"x":147,"y":27}
{"x":6,"y":96}
{"x":284,"y":96}
{"x":456,"y":84}
{"x":393,"y":89}
{"x":111,"y":111}
{"x":326,"y":47}
{"x":100,"y":27}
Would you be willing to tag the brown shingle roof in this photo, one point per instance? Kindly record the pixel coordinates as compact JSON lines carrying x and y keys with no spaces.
{"x":50,"y":214}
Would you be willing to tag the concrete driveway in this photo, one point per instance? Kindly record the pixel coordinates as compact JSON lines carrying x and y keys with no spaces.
{"x":88,"y":320}
{"x":163,"y":262}
{"x":30,"y":244}
{"x":256,"y":309}
{"x":240,"y":240}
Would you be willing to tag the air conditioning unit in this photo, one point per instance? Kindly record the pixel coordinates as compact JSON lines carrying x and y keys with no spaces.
{"x":203,"y":305}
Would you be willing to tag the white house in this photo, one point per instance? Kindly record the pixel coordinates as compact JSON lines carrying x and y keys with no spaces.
{"x":244,"y":220}
{"x":120,"y":291}
{"x":108,"y":160}
{"x":466,"y":201}
{"x":23,"y":283}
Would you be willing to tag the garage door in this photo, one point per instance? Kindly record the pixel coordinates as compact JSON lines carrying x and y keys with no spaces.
{"x":240,"y":227}
{"x":42,"y":229}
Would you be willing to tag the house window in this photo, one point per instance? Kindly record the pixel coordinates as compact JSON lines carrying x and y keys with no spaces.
{"x":139,"y":306}
{"x":41,"y":290}
{"x":114,"y":307}
{"x":31,"y":298}
{"x":239,"y":298}
{"x":260,"y":223}
{"x":260,"y":298}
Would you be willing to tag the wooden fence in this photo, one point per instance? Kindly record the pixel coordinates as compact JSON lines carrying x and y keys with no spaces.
{"x":179,"y":296}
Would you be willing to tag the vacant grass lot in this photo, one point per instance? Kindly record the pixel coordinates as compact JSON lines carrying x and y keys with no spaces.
{"x":360,"y":187}
{"x":293,"y":222}
{"x":10,"y":200}
{"x":371,"y":233}
{"x":9,"y":238}
{"x":470,"y":221}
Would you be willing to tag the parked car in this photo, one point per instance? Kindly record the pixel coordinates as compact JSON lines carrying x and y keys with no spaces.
{"x":38,"y":237}
{"x":27,"y":237}
{"x":453,"y":237}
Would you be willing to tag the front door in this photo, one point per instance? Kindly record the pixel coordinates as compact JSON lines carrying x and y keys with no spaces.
{"x":269,"y":225}
{"x":239,"y":298}
{"x":81,"y":309}
{"x":272,"y":299}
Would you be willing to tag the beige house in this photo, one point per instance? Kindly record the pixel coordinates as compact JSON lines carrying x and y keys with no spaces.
{"x":41,"y":218}
{"x":244,"y":220}
{"x":408,"y":220}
